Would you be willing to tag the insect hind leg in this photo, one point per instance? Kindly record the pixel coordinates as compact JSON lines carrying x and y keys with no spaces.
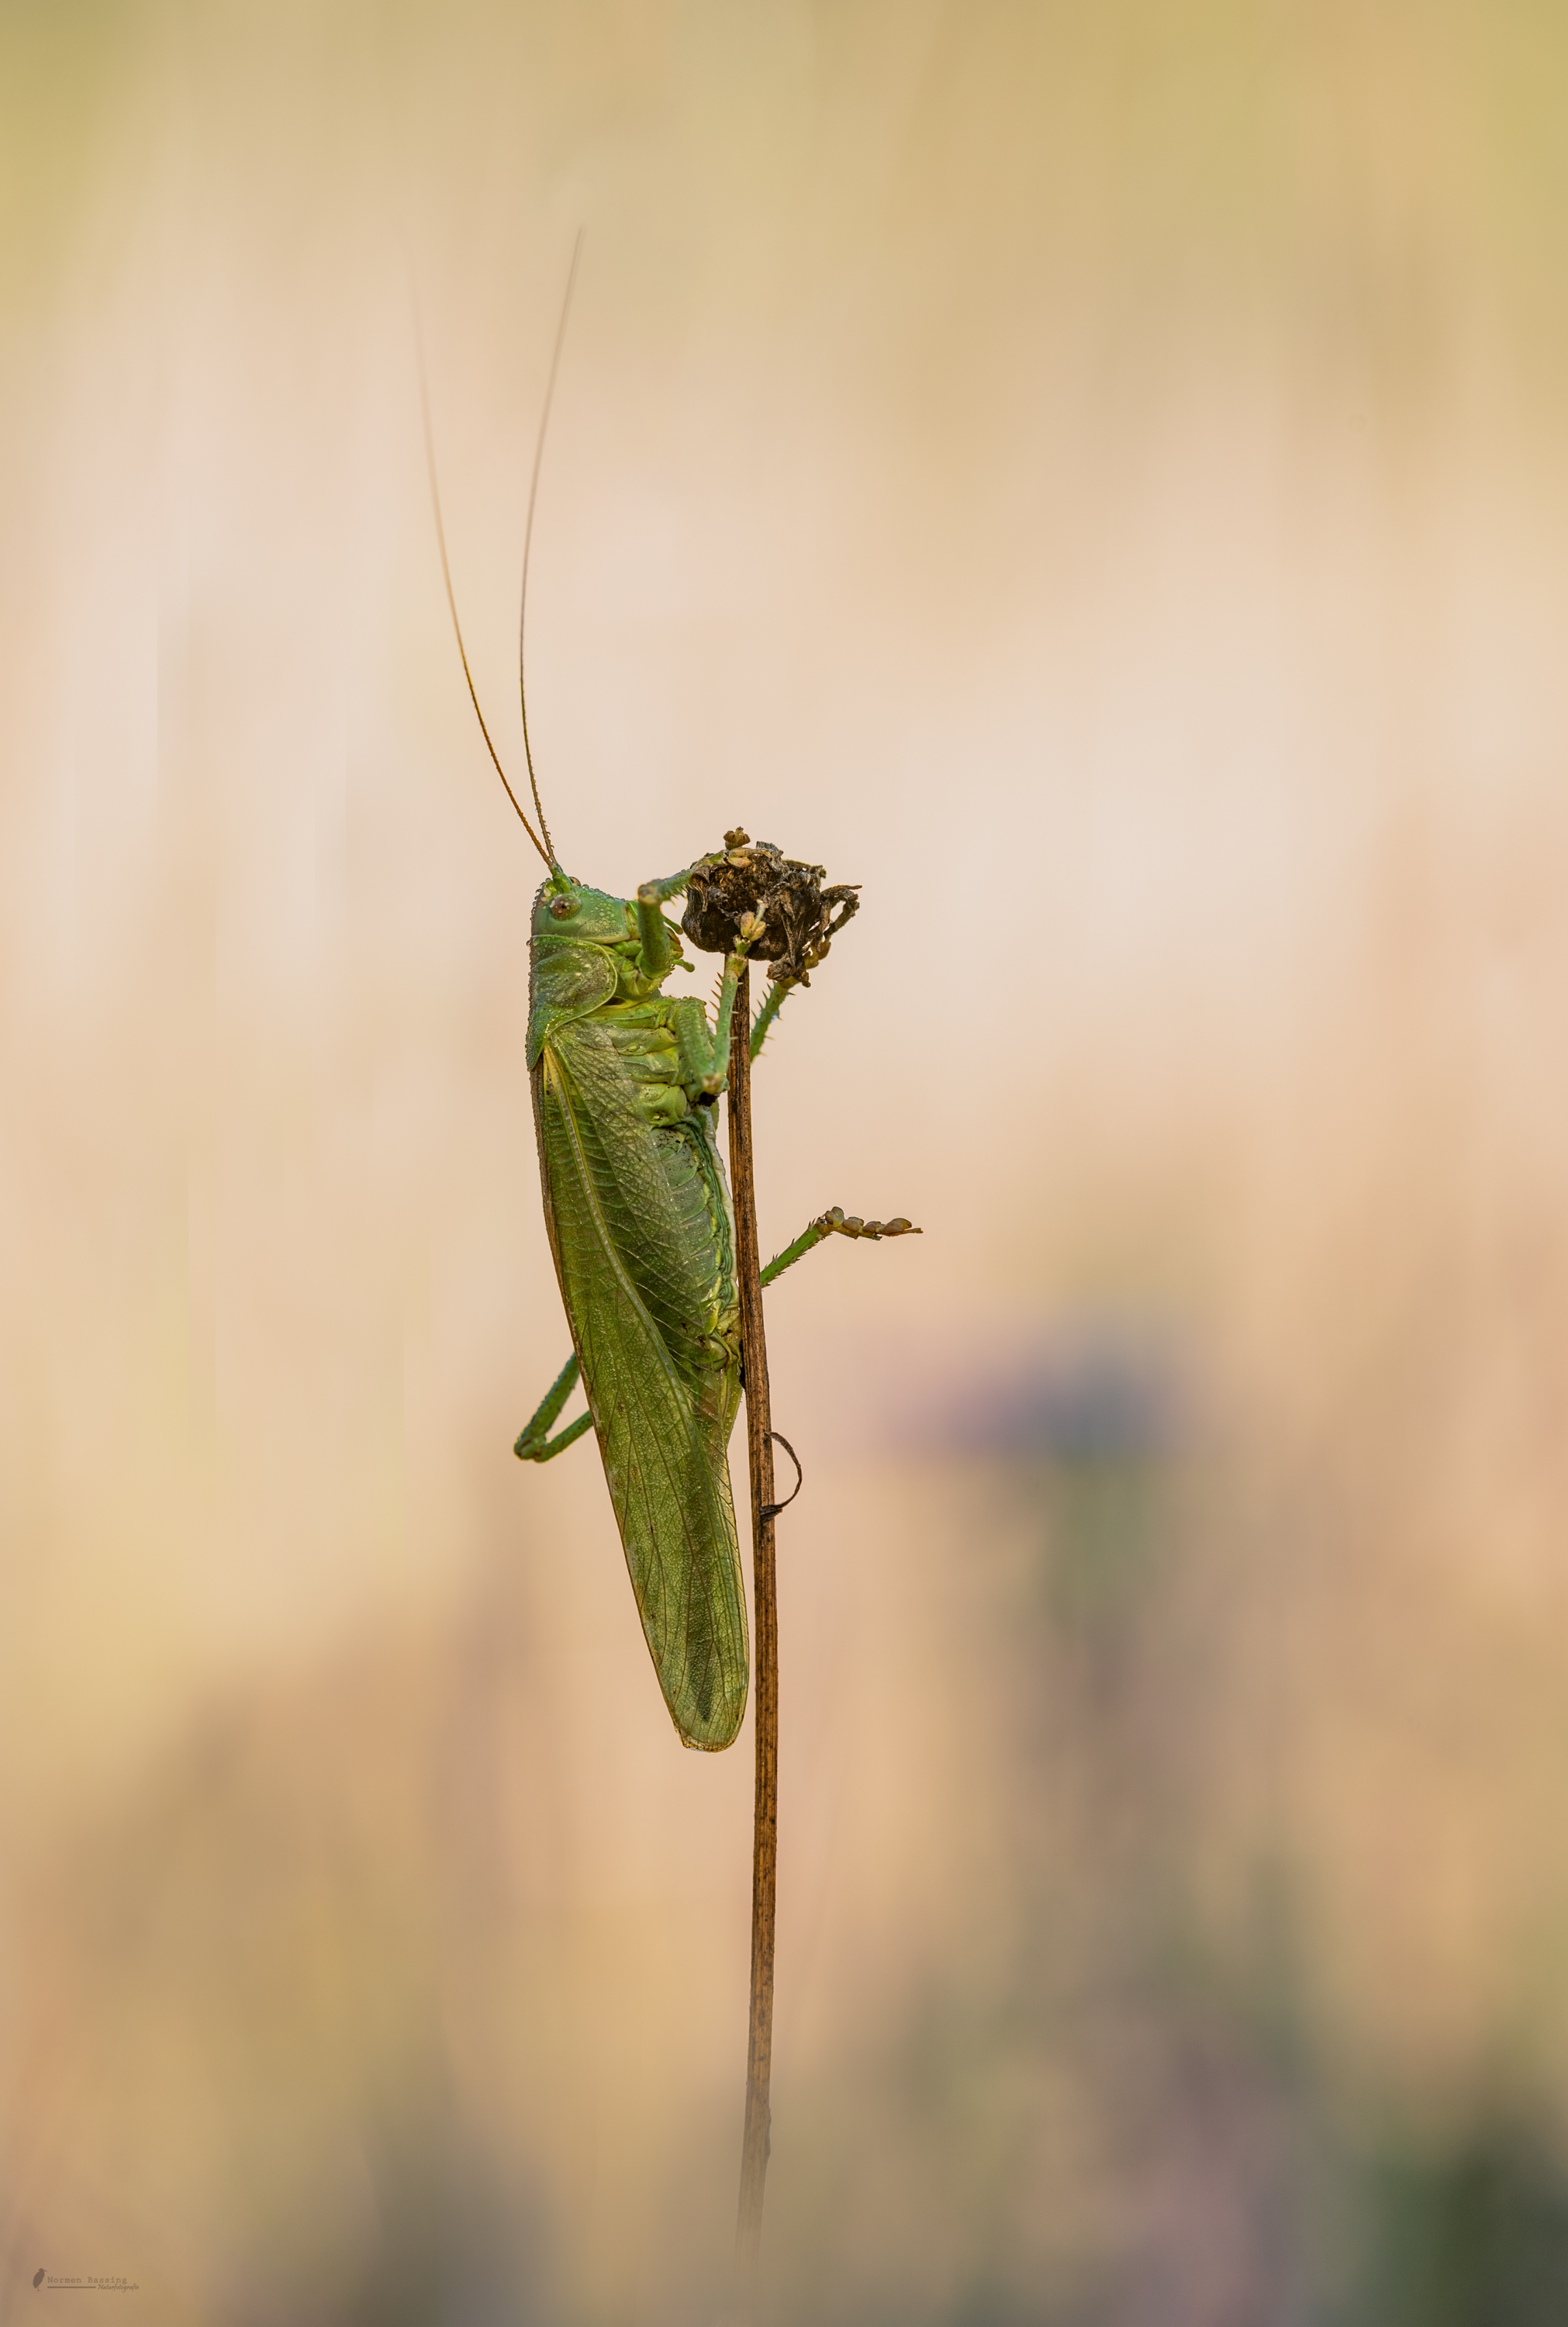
{"x":834,"y":1222}
{"x":533,"y":1444}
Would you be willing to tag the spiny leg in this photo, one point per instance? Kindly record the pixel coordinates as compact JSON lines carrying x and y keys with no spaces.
{"x":835,"y":1222}
{"x":718,"y":1074}
{"x":532,"y":1444}
{"x":762,"y":1023}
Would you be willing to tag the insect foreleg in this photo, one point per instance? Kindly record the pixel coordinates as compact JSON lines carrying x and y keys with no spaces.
{"x":659,"y":892}
{"x":653,"y":937}
{"x":652,"y":934}
{"x":832,"y":1223}
{"x":533,"y":1444}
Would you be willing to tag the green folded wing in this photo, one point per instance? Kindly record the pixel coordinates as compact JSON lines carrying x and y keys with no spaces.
{"x":640,"y":1234}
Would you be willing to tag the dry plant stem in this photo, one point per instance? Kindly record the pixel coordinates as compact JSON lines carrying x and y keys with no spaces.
{"x":765,"y":1842}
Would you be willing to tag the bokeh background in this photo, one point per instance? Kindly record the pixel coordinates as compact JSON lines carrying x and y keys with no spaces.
{"x":1096,"y":474}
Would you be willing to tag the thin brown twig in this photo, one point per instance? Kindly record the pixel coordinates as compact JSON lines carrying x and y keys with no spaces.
{"x":754,"y":2141}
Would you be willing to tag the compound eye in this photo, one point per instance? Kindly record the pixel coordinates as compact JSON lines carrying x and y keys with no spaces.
{"x":563,"y":908}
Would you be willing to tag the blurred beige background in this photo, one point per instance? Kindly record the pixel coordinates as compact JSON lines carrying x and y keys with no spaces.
{"x":1096,"y":475}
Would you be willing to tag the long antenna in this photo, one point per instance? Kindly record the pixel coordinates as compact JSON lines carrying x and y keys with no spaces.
{"x":546,"y":853}
{"x":528,"y":537}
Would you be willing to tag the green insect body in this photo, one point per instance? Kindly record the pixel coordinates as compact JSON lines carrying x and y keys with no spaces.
{"x":637,"y":1212}
{"x":624,"y":1083}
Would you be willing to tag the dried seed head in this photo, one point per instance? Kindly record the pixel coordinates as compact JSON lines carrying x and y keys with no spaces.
{"x":799,"y":917}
